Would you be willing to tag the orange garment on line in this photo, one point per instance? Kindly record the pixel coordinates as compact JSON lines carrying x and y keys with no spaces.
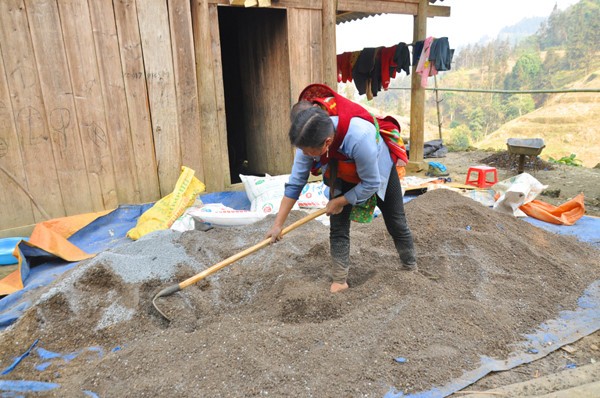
{"x":566,"y":214}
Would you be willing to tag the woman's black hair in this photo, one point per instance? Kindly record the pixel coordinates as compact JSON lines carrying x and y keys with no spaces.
{"x":310,"y":128}
{"x":299,"y":107}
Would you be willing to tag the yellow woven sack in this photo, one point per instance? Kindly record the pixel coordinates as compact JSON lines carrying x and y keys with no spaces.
{"x":168,"y":209}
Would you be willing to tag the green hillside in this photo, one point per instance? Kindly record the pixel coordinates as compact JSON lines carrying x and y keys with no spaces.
{"x":568,"y":123}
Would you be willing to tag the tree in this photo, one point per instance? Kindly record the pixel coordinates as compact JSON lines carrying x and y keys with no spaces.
{"x":518,"y":105}
{"x":460,"y":137}
{"x":525,"y":73}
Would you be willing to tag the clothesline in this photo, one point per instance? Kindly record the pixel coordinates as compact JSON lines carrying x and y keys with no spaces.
{"x":372,"y":68}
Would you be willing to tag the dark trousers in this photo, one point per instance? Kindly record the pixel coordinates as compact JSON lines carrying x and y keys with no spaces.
{"x":392,"y":210}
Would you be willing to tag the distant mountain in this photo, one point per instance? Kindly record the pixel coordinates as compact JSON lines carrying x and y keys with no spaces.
{"x":520,"y":30}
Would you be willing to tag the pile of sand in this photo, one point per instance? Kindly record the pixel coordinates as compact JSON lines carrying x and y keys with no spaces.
{"x":267,"y":325}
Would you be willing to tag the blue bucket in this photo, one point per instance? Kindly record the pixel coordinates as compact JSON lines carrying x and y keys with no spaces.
{"x":7,"y":246}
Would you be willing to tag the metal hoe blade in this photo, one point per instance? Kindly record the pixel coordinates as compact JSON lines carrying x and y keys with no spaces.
{"x":165,"y":292}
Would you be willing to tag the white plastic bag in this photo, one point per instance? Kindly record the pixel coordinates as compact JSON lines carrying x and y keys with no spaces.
{"x":265,"y":193}
{"x":515,"y":192}
{"x":314,"y":196}
{"x":215,"y":214}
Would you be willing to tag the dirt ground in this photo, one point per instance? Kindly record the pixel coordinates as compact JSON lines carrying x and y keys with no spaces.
{"x":267,"y":325}
{"x":564,"y":182}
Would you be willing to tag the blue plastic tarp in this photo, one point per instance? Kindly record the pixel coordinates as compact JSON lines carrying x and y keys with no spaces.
{"x":39,"y":268}
{"x":587,"y":229}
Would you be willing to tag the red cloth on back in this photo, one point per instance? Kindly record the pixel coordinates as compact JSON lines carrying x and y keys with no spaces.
{"x":346,"y":110}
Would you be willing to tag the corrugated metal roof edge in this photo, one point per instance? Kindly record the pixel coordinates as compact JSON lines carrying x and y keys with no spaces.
{"x":352,"y":16}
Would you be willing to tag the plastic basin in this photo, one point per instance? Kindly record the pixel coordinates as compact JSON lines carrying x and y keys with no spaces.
{"x":7,"y":245}
{"x":525,"y":146}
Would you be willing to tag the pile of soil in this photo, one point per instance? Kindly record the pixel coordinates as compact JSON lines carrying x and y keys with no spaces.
{"x":267,"y":325}
{"x":508,"y":161}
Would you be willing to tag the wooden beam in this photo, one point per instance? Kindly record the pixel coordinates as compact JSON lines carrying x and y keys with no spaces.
{"x":408,"y":7}
{"x":243,"y":3}
{"x":329,"y":49}
{"x":438,"y":11}
{"x":377,"y":6}
{"x":417,"y":98}
{"x":306,"y":4}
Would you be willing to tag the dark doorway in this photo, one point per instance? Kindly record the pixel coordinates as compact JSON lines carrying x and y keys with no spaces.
{"x":256,"y":79}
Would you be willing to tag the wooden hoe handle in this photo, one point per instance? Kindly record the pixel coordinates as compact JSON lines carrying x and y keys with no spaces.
{"x":198,"y":277}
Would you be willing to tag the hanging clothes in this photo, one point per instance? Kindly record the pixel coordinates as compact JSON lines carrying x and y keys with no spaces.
{"x":388,"y":66}
{"x":402,"y":59}
{"x":373,"y":68}
{"x":344,"y":70}
{"x":417,"y":50}
{"x":425,"y":67}
{"x":367,"y":72}
{"x":441,"y":53}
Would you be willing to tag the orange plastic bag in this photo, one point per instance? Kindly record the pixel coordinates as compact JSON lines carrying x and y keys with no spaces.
{"x":51,"y":236}
{"x":566,"y":214}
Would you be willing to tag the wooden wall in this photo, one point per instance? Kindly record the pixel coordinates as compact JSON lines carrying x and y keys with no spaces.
{"x":102,"y":102}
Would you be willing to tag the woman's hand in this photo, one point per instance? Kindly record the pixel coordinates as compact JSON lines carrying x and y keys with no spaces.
{"x":335,"y":206}
{"x":274,"y":233}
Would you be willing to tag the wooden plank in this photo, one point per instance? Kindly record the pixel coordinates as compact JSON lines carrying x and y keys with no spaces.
{"x":265,"y":98}
{"x":438,"y":11}
{"x":89,"y":106}
{"x":25,"y":230}
{"x":378,"y":6}
{"x":300,"y":49}
{"x":308,"y":4}
{"x":46,"y":35}
{"x":212,"y":155}
{"x":316,"y":44}
{"x":132,"y":63}
{"x":217,"y":67}
{"x":113,"y":93}
{"x":305,"y":26}
{"x":408,"y":7}
{"x":28,"y":108}
{"x":158,"y":66}
{"x":16,"y":205}
{"x":328,"y":40}
{"x":391,"y":7}
{"x":186,"y":85}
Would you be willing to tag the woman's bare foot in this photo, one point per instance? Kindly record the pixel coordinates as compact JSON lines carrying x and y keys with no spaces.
{"x":338,"y":287}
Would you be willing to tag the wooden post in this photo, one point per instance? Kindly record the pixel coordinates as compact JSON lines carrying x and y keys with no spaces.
{"x":417,"y":101}
{"x":437,"y":105}
{"x":329,"y":49}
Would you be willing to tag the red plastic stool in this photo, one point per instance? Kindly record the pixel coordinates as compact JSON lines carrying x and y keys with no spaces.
{"x":478,"y":176}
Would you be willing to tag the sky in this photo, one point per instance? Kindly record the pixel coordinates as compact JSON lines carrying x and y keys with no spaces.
{"x":469,"y":21}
